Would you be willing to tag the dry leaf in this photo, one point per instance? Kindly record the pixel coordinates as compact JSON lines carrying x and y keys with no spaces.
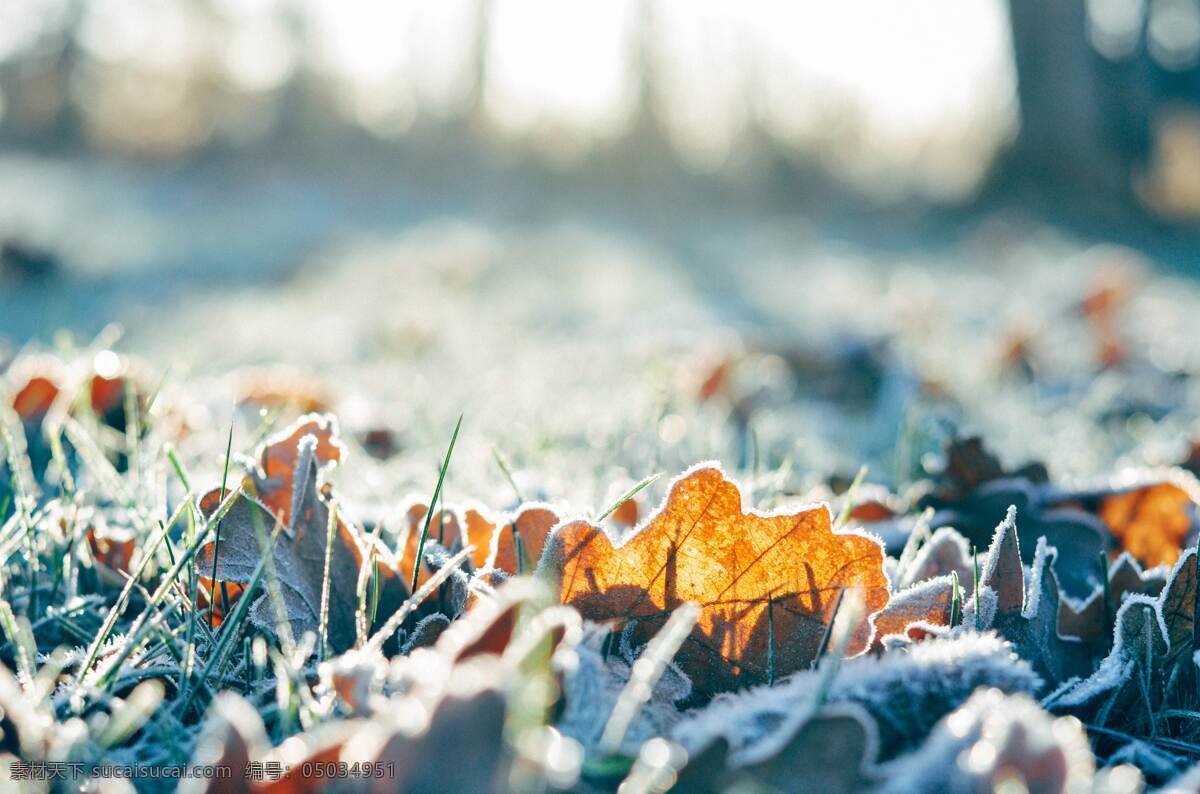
{"x":927,"y":603}
{"x":445,"y":529}
{"x":628,"y":513}
{"x":288,"y":490}
{"x":832,"y":751}
{"x":1091,"y":620}
{"x":111,"y":548}
{"x":1151,"y":522}
{"x":34,"y":399}
{"x":969,"y":464}
{"x":870,"y":511}
{"x":1028,"y":615}
{"x":496,"y":537}
{"x":767,"y":583}
{"x":945,"y":552}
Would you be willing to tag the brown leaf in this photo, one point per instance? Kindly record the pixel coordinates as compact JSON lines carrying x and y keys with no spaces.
{"x":871,"y":510}
{"x":944,"y":553}
{"x":445,"y":528}
{"x":1002,"y":570}
{"x":278,"y":467}
{"x":287,"y":489}
{"x":1027,"y":613}
{"x":1091,"y":620}
{"x":767,"y":584}
{"x":282,"y":389}
{"x":113,"y":548}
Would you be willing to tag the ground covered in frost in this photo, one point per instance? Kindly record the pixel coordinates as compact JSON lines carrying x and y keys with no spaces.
{"x":588,"y":347}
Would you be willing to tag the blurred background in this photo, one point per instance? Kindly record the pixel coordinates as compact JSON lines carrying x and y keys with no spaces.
{"x":486,"y":205}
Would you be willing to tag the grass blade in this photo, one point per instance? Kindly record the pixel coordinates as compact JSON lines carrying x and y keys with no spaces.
{"x":437,"y":493}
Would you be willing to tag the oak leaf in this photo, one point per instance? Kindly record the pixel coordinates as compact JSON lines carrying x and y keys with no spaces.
{"x":945,"y":552}
{"x":1026,"y":613}
{"x":767,"y":584}
{"x":1152,"y":522}
{"x":927,"y":603}
{"x":1091,"y":620}
{"x":287,"y":488}
{"x":511,"y":542}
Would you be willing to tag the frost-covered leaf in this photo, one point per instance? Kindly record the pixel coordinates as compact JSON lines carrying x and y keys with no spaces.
{"x":767,"y":584}
{"x":288,"y":490}
{"x":946,"y":552}
{"x":1027,"y":614}
{"x":1151,"y":665}
{"x":906,"y":690}
{"x":830,"y":752}
{"x":1121,"y":685}
{"x":1002,"y":571}
{"x":928,"y":603}
{"x":1091,"y":620}
{"x":991,"y":741}
{"x":591,"y":690}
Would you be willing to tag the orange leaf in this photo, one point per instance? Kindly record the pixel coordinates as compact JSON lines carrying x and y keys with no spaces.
{"x":494,"y":537}
{"x":275,"y":480}
{"x":767,"y":584}
{"x":35,"y":398}
{"x":445,"y":527}
{"x":1151,"y":522}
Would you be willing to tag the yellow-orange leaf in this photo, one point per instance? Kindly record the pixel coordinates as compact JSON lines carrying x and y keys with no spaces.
{"x":767,"y":584}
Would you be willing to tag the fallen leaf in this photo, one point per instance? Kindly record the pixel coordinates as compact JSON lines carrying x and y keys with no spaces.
{"x":380,"y":443}
{"x":275,"y":479}
{"x":870,"y":511}
{"x":1091,"y":620}
{"x":1076,"y":534}
{"x":944,"y":553}
{"x":832,"y":751}
{"x":111,"y":548}
{"x":1111,"y":287}
{"x":1151,"y":522}
{"x":927,"y":603}
{"x":627,"y":513}
{"x":995,"y":742}
{"x":498,"y":539}
{"x":33,"y":400}
{"x":1002,"y":571}
{"x":282,"y":389}
{"x":287,"y":488}
{"x":968,"y":465}
{"x":767,"y":584}
{"x":1027,"y":613}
